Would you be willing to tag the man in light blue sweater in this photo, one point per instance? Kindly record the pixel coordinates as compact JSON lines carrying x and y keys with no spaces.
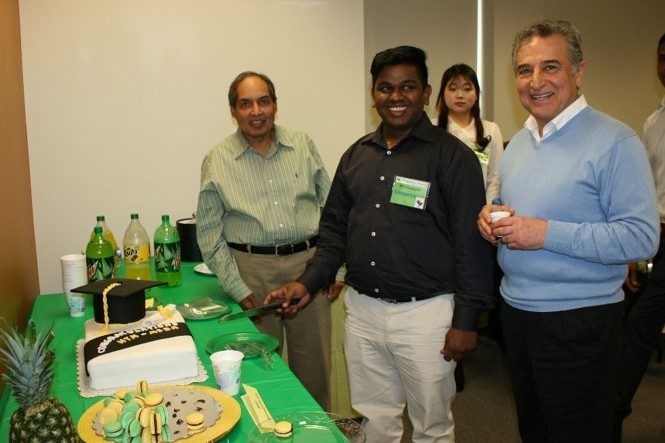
{"x":578,"y":187}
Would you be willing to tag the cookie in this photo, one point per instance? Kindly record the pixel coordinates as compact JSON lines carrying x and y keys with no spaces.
{"x":142,"y":388}
{"x":195,"y":422}
{"x":155,"y":424}
{"x":134,"y":429}
{"x":153,"y":399}
{"x":108,"y":415}
{"x":138,"y":401}
{"x":144,"y":417}
{"x":113,"y":429}
{"x":116,"y":405}
{"x":163,"y":413}
{"x":283,"y":429}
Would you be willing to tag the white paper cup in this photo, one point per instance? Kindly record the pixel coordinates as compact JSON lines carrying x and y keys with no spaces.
{"x":226,"y":365}
{"x":498,"y":215}
{"x":74,"y":274}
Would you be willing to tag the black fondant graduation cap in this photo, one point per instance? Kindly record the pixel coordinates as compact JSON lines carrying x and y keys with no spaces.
{"x":125,"y":299}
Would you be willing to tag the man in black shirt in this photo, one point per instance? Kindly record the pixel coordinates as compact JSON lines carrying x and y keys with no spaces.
{"x":401,"y":212}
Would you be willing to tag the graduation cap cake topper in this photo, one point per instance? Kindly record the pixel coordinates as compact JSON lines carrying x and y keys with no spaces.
{"x":118,"y":300}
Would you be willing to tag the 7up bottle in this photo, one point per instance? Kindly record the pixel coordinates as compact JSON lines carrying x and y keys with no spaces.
{"x":167,"y":253}
{"x":136,"y":246}
{"x":99,"y":257}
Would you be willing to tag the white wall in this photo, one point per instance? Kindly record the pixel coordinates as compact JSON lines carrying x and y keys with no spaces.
{"x":124,"y":98}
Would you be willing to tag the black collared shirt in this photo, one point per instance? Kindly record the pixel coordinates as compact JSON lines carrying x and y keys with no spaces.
{"x":395,"y":251}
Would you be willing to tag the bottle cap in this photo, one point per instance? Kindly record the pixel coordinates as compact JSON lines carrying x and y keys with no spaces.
{"x":135,"y":216}
{"x":126,"y":302}
{"x":165,"y":218}
{"x":101,"y":218}
{"x":98,"y":229}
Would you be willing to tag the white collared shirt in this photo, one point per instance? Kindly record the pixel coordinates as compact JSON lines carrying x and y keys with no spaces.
{"x":654,"y":141}
{"x":557,"y":122}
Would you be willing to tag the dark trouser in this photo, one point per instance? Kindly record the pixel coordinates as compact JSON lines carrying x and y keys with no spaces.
{"x":562,"y":366}
{"x":642,"y":326}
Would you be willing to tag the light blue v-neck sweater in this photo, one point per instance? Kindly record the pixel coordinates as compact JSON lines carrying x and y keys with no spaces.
{"x":592,"y":182}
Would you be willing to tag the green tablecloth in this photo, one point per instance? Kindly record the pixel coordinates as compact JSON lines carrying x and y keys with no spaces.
{"x":279,"y":388}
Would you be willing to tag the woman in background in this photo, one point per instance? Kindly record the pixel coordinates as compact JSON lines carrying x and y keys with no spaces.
{"x":459,"y":114}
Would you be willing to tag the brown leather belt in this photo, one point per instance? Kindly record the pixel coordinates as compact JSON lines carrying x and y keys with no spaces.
{"x":278,"y":249}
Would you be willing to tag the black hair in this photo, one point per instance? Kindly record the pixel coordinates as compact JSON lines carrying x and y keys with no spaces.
{"x":400,"y":55}
{"x":467,"y":72}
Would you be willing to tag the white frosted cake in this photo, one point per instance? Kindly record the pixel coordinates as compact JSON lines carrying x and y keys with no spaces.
{"x":157,"y":349}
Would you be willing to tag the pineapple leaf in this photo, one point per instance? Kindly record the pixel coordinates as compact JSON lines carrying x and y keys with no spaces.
{"x":29,"y":361}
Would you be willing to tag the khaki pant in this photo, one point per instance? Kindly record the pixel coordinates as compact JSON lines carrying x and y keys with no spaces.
{"x":392,"y":354}
{"x":308,"y":334}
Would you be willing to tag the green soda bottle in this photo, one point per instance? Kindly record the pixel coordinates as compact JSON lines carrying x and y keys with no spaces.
{"x":99,"y":257}
{"x":167,"y":253}
{"x":108,"y":236}
{"x":136,"y":247}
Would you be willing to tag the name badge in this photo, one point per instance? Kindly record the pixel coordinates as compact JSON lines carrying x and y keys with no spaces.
{"x":409,"y":192}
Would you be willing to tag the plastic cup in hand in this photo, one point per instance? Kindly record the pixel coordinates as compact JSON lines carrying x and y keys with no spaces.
{"x":498,"y":215}
{"x":226,"y":365}
{"x":74,"y":274}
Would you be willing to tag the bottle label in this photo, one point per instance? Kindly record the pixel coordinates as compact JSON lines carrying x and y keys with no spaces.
{"x":99,"y":268}
{"x":137,"y":253}
{"x":167,"y":257}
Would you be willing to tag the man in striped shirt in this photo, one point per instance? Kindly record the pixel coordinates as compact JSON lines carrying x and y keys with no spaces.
{"x":262,"y":190}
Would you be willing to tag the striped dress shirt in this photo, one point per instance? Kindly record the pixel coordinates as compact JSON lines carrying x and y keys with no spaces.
{"x":258,"y":200}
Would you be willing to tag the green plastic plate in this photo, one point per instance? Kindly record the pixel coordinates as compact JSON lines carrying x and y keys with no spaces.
{"x":252,"y":344}
{"x":320,"y":427}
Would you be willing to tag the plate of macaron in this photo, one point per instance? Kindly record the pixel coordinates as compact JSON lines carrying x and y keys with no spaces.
{"x":162,"y":413}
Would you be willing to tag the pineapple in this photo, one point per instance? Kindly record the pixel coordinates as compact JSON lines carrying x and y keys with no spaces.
{"x":40,"y":418}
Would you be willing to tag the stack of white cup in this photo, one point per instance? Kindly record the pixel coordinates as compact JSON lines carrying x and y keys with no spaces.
{"x":74,"y":274}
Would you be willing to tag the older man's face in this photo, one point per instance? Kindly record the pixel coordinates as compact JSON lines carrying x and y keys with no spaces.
{"x":254,"y":110}
{"x":546,"y":80}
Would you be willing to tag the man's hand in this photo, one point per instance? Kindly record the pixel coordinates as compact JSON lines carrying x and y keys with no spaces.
{"x":632,"y":279}
{"x":485,"y":224}
{"x":285,"y":294}
{"x":458,"y":343}
{"x":334,"y":290}
{"x":519,"y":232}
{"x":251,"y":302}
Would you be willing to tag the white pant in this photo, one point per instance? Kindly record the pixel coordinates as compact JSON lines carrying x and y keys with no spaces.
{"x":393,"y":359}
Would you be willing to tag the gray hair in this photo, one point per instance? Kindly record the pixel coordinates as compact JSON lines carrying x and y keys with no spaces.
{"x":546,"y":28}
{"x":233,"y":89}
